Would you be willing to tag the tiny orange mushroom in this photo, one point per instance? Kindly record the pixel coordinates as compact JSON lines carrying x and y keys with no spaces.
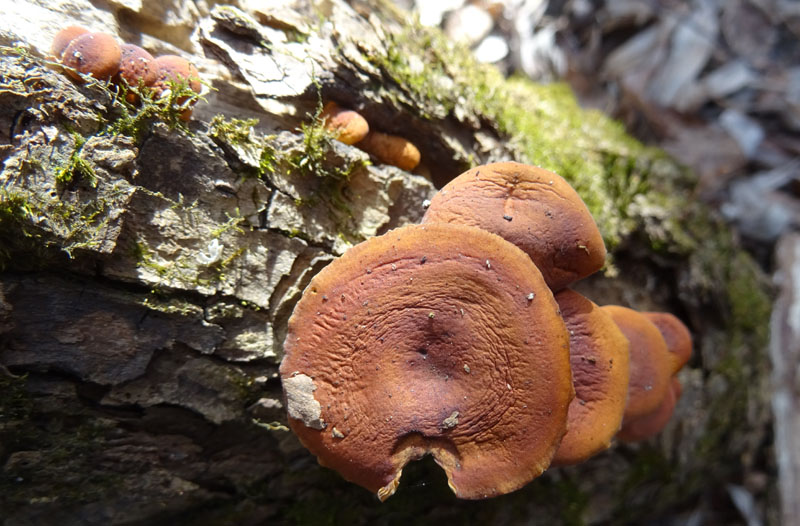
{"x":679,"y":344}
{"x":63,"y":39}
{"x":136,"y":66}
{"x":651,"y":365}
{"x":676,"y":336}
{"x":653,"y":423}
{"x":95,"y":54}
{"x":391,"y":149}
{"x":348,"y":125}
{"x":173,"y":68}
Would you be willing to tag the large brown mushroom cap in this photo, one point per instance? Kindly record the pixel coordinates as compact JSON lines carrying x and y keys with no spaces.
{"x":599,"y":358}
{"x":430,"y":339}
{"x":534,"y":209}
{"x":650,"y":361}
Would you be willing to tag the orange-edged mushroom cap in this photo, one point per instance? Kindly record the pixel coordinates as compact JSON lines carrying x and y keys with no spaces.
{"x":430,"y":339}
{"x":599,"y":358}
{"x":63,"y":39}
{"x":650,"y":361}
{"x":531,"y":207}
{"x":348,"y":125}
{"x":95,"y":54}
{"x":676,"y":335}
{"x":652,"y":424}
{"x":137,"y":65}
{"x":391,"y":149}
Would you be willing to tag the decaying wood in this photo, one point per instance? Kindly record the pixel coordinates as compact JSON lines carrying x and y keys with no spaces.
{"x":144,"y":294}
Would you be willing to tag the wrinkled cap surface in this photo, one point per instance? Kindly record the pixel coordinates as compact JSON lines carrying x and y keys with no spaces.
{"x":431,"y":339}
{"x":599,"y":358}
{"x":532,"y":208}
{"x":650,"y":361}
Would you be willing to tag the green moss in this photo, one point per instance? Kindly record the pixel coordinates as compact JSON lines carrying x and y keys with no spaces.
{"x":312,"y":158}
{"x":238,"y":133}
{"x":136,"y":120}
{"x":76,"y":165}
{"x":232,"y":131}
{"x":185,"y":268}
{"x":61,"y":449}
{"x":750,"y":305}
{"x":23,"y":244}
{"x":234,"y":223}
{"x":162,"y":302}
{"x":607,"y":168}
{"x":15,"y":404}
{"x":267,"y":160}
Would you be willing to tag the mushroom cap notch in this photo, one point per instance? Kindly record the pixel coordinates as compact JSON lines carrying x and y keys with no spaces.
{"x":600,"y":372}
{"x":532,"y":208}
{"x":426,"y":341}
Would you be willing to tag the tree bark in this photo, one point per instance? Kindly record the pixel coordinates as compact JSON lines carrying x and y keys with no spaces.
{"x":149,"y":270}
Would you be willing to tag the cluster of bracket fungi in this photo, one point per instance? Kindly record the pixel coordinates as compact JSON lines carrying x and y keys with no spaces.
{"x":460,"y":338}
{"x":353,"y":129}
{"x":99,"y":55}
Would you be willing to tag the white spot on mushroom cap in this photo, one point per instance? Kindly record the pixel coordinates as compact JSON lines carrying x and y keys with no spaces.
{"x":300,"y":401}
{"x":451,"y":421}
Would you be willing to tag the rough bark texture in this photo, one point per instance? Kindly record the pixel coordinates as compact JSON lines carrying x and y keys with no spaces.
{"x":149,"y":270}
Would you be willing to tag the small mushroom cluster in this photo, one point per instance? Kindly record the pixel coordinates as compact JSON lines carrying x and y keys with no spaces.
{"x":351,"y":128}
{"x":459,"y":338}
{"x":102,"y":57}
